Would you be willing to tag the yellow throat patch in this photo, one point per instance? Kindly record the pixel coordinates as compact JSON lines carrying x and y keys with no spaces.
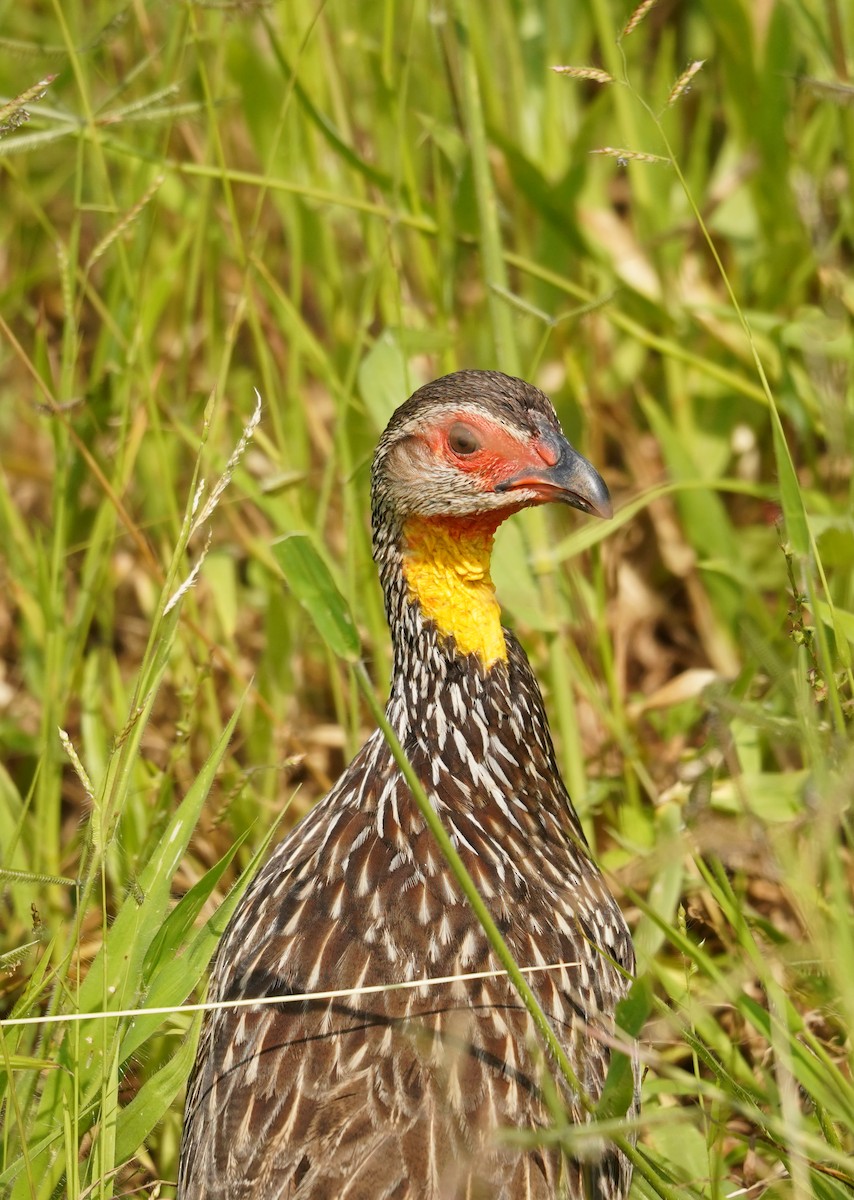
{"x":446,"y":567}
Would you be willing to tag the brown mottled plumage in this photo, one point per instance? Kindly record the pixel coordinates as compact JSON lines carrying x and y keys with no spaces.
{"x":402,"y":1094}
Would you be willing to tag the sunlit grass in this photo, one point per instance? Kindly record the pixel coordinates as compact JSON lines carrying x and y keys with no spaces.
{"x":332,"y":205}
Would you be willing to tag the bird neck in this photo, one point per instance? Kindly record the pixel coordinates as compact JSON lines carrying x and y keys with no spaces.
{"x":464,"y":700}
{"x":445,"y":566}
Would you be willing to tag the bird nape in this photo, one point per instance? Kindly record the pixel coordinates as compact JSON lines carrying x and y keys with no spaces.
{"x":437,"y":1091}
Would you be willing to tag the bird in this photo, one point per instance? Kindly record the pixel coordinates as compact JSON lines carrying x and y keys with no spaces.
{"x":421,"y":1077}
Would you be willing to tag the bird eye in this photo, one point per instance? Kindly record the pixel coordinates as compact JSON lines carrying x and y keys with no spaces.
{"x":462,"y":439}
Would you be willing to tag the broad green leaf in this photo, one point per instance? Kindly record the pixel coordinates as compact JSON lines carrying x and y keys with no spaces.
{"x":100,"y":1165}
{"x":175,"y":978}
{"x":682,"y":1147}
{"x":118,"y":966}
{"x":311,"y":582}
{"x":794,"y":513}
{"x":771,"y":796}
{"x":177,"y":926}
{"x":632,"y":1013}
{"x":826,"y":1187}
{"x":516,"y":586}
{"x":666,"y":886}
{"x":840,"y":620}
{"x":384,"y":380}
{"x":151,"y":1102}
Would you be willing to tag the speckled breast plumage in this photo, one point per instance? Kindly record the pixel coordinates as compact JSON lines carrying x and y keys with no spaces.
{"x":357,"y":896}
{"x":410,"y":1092}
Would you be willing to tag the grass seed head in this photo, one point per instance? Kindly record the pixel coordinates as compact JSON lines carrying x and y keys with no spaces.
{"x":636,"y":17}
{"x":593,"y":73}
{"x":683,"y":83}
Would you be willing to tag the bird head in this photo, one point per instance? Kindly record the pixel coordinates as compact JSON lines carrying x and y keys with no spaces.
{"x":479,"y":444}
{"x":461,"y":455}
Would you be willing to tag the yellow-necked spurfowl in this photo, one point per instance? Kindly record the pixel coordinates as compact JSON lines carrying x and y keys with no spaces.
{"x":408,"y":1094}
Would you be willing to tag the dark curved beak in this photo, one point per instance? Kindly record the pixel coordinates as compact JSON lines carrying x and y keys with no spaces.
{"x":571,"y":480}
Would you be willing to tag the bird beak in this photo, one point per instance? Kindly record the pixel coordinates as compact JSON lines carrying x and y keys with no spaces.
{"x":570,"y":479}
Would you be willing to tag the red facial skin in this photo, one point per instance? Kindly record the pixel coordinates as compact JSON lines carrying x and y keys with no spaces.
{"x":500,"y":455}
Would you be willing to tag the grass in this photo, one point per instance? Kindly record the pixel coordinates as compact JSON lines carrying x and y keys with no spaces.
{"x":331,"y":204}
